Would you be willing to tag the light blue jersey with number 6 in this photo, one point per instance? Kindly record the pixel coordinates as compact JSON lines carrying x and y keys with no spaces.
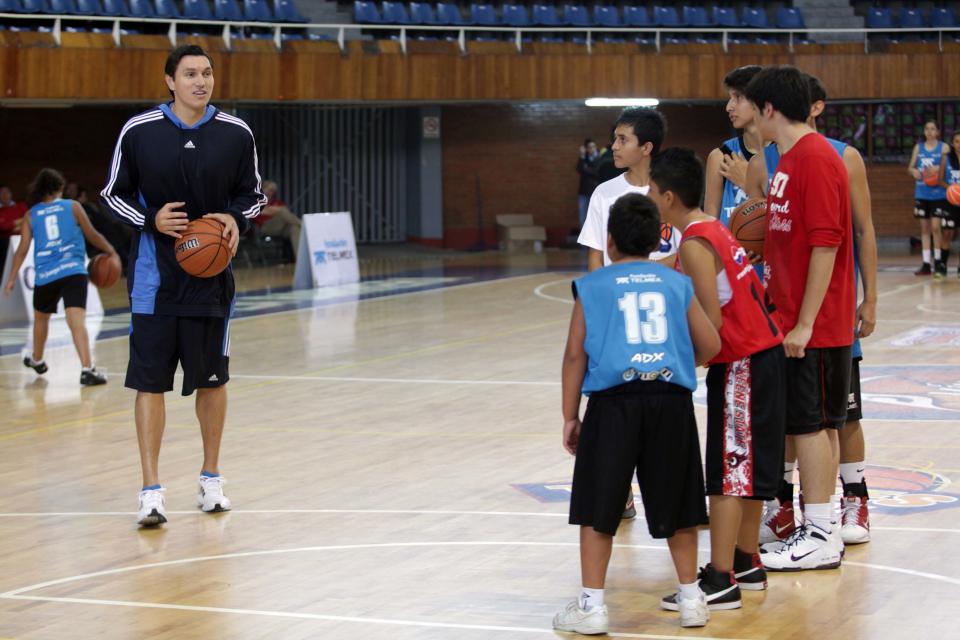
{"x":636,"y":317}
{"x":58,"y":247}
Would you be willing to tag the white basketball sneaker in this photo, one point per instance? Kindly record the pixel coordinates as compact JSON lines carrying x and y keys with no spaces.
{"x":587,"y":622}
{"x":210,"y":496}
{"x":152,"y":511}
{"x":693,"y":611}
{"x":810,"y":547}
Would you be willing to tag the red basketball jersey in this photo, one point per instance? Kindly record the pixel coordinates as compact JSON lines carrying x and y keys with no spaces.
{"x":748,"y":326}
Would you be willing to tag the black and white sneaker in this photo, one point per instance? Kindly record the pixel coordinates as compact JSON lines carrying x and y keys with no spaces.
{"x":720,"y":589}
{"x":40,"y":367}
{"x":748,"y":571}
{"x":92,"y":377}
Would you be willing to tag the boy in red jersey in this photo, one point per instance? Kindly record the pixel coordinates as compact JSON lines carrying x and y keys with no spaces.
{"x":746,"y":388}
{"x":808,"y":269}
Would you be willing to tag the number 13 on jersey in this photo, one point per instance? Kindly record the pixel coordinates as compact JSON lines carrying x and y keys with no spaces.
{"x":652,"y":330}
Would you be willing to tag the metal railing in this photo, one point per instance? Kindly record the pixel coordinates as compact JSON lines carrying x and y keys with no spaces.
{"x":657,"y":34}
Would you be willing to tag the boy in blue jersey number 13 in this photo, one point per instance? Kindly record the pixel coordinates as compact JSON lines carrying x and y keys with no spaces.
{"x":57,"y":228}
{"x":636,"y":335}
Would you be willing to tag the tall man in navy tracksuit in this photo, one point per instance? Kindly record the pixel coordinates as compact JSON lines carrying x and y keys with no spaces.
{"x":177,"y":162}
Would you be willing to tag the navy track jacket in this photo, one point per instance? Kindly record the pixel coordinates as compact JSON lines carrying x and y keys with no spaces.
{"x":212,"y":167}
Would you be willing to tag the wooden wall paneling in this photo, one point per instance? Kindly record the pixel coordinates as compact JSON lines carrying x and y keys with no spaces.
{"x":609,"y":76}
{"x":253,"y":76}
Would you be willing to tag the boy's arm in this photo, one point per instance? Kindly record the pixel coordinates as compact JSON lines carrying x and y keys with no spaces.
{"x":713,"y":195}
{"x":699,"y":263}
{"x":866,"y":240}
{"x":594,"y":260}
{"x":818,"y":281}
{"x":95,"y":237}
{"x":26,"y":237}
{"x":593,"y":235}
{"x":706,"y":340}
{"x":574,"y":368}
{"x":756,"y":186}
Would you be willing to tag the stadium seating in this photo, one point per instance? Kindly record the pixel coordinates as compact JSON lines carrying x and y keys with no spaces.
{"x":449,"y":13}
{"x":142,"y":9}
{"x":576,"y":15}
{"x":257,"y":11}
{"x":484,"y":14}
{"x":545,"y":15}
{"x":366,"y":12}
{"x":696,"y":17}
{"x":35,"y":6}
{"x":516,"y":15}
{"x":167,"y":9}
{"x":115,"y":8}
{"x":726,"y":17}
{"x":911,"y":18}
{"x":788,"y":18}
{"x":636,"y":17}
{"x":10,"y":6}
{"x":63,"y":6}
{"x":666,"y":17}
{"x":879,"y":18}
{"x":395,"y":13}
{"x":422,"y":13}
{"x":943,"y":17}
{"x":227,"y":10}
{"x":606,"y":16}
{"x":286,"y":11}
{"x":197,"y":10}
{"x":755,"y":18}
{"x":89,"y":8}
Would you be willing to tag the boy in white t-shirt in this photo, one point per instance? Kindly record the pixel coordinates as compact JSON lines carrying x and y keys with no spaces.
{"x":637,"y":138}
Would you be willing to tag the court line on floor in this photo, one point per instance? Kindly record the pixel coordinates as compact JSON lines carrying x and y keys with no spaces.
{"x":546,"y":296}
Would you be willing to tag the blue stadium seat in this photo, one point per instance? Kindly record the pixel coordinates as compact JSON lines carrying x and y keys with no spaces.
{"x":516,"y":15}
{"x":167,"y":9}
{"x":286,"y":11}
{"x":116,"y":8}
{"x":911,"y":18}
{"x":666,"y":17}
{"x":142,"y":9}
{"x":35,"y":6}
{"x":756,"y":18}
{"x":576,"y":15}
{"x":422,"y":13}
{"x":788,"y":18}
{"x":636,"y":17}
{"x":89,"y":8}
{"x":197,"y":10}
{"x":484,"y":14}
{"x":449,"y":13}
{"x":943,"y":17}
{"x":394,"y":13}
{"x":63,"y":6}
{"x":696,"y":17}
{"x":227,"y":10}
{"x":545,"y":15}
{"x":366,"y":13}
{"x":879,"y":18}
{"x":257,"y":11}
{"x":10,"y":6}
{"x":726,"y":17}
{"x":607,"y":16}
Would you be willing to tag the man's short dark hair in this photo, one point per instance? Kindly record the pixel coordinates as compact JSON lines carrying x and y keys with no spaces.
{"x":739,"y":78}
{"x":648,"y":125}
{"x":679,"y":170}
{"x":181,"y":52}
{"x":784,"y":88}
{"x":818,"y":92}
{"x":634,"y":224}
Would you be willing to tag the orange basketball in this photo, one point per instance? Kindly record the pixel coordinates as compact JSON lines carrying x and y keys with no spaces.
{"x":748,"y":224}
{"x":931,"y":176}
{"x":953,"y":195}
{"x":202,"y":251}
{"x":104,"y":270}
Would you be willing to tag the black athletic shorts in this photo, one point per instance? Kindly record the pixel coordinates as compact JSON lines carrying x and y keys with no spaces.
{"x":854,"y":401}
{"x":944,"y":210}
{"x":157,"y":343}
{"x":818,"y":386}
{"x":650,"y":427}
{"x":746,"y":425}
{"x":928,"y":208}
{"x":73,"y":290}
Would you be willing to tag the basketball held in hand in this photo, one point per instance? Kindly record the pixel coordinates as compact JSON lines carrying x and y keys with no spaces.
{"x":931,"y":176}
{"x":953,"y":195}
{"x":748,"y":224}
{"x":202,"y":251}
{"x":104,"y":270}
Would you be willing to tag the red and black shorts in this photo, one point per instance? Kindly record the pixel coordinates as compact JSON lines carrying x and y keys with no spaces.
{"x":648,"y":427}
{"x":818,"y":388}
{"x":745,"y":425}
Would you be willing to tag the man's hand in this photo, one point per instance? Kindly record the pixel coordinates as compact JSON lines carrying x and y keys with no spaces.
{"x":866,"y":318}
{"x":734,"y":168}
{"x":230,"y":230}
{"x":571,"y":435}
{"x":795,"y":343}
{"x":171,"y":222}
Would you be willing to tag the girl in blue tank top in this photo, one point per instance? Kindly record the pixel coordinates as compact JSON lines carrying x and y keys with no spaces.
{"x":928,"y":158}
{"x":56,"y":229}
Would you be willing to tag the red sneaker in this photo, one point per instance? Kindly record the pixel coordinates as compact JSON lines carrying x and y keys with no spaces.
{"x":856,"y":519}
{"x":778,"y":524}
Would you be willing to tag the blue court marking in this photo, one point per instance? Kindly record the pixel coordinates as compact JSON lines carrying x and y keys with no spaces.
{"x":116,"y":322}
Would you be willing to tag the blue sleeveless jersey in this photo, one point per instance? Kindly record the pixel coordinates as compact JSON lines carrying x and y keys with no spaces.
{"x":58,"y":247}
{"x":733,"y":196}
{"x":953,"y":174}
{"x":636,"y":317}
{"x":928,"y":159}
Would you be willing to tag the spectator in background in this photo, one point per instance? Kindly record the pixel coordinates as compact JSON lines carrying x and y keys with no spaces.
{"x":276,"y":219}
{"x":11,"y":212}
{"x":71,"y":191}
{"x":606,"y":167}
{"x":587,"y":168}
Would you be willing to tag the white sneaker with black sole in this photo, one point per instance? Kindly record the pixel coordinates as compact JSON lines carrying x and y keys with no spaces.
{"x":809,"y":548}
{"x":210,"y":496}
{"x":592,"y":621}
{"x":152,"y":511}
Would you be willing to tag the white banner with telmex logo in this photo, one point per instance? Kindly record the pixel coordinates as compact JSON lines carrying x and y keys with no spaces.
{"x":328,"y":251}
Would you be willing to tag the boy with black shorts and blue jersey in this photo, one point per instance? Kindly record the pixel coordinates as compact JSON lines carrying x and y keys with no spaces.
{"x":636,"y":335}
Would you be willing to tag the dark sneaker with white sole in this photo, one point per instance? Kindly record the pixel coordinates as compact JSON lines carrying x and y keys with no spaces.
{"x":748,"y":571}
{"x":40,"y":367}
{"x":92,"y":377}
{"x":720,"y":589}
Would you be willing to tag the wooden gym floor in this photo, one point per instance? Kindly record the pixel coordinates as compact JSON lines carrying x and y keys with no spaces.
{"x":396,"y":470}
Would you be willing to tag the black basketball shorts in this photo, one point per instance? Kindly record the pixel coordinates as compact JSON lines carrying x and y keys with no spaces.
{"x":925,"y":208}
{"x":746,"y":425}
{"x":854,"y":400}
{"x":650,"y":427}
{"x":201,"y":345}
{"x":818,"y":386}
{"x":73,"y":290}
{"x":944,"y":211}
